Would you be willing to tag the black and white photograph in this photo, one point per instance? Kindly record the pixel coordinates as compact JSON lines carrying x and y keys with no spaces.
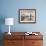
{"x":27,"y":15}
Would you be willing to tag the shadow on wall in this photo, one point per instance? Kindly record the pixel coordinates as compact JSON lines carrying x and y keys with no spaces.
{"x":2,"y":21}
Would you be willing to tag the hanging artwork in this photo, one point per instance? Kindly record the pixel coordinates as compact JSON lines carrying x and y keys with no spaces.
{"x":27,"y":15}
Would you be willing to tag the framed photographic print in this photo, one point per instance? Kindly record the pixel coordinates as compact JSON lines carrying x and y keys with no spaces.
{"x":27,"y":15}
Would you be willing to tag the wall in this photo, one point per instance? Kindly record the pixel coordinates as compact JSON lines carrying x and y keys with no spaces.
{"x":9,"y":8}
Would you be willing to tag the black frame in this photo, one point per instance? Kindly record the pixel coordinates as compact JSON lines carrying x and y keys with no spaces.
{"x":27,"y":12}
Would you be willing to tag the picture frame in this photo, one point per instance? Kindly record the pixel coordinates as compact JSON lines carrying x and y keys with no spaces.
{"x":27,"y":15}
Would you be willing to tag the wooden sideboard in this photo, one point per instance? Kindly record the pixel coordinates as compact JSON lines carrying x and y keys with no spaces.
{"x":20,"y":39}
